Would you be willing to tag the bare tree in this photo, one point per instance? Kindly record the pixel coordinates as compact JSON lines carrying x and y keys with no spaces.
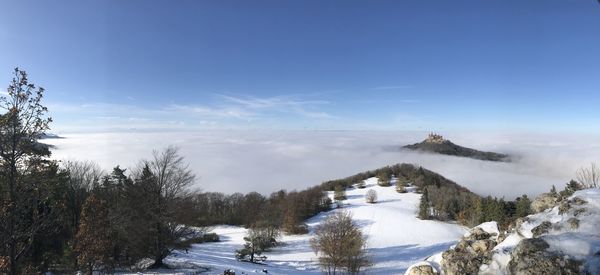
{"x":589,"y":177}
{"x":83,"y":176}
{"x":21,"y":126}
{"x":340,"y":245}
{"x":371,"y":196}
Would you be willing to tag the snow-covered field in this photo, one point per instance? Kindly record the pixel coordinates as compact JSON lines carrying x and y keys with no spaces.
{"x":396,"y":238}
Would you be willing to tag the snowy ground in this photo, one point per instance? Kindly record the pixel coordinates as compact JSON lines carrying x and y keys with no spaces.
{"x":396,"y":239}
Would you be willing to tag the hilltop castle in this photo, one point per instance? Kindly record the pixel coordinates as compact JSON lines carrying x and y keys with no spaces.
{"x":435,"y":138}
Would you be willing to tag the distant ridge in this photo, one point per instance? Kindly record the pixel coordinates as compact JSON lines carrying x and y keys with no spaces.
{"x":437,"y":144}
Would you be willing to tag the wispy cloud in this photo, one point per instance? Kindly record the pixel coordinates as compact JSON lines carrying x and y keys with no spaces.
{"x":223,"y":112}
{"x":280,"y":104}
{"x":227,"y":111}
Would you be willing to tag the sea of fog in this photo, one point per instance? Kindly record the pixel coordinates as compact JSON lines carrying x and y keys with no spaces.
{"x":266,"y":161}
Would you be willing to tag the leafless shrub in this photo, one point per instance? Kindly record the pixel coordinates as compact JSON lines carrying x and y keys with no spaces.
{"x":371,"y":196}
{"x":589,"y":176}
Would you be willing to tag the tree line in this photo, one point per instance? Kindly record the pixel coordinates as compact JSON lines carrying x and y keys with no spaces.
{"x":283,"y":209}
{"x":70,"y":216}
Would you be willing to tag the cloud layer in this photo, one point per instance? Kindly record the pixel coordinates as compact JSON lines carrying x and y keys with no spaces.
{"x":266,"y":161}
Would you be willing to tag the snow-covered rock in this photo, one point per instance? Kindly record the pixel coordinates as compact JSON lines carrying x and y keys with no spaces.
{"x":422,"y":268}
{"x":563,"y":239}
{"x":543,"y":202}
{"x":472,"y":251}
{"x":570,"y":231}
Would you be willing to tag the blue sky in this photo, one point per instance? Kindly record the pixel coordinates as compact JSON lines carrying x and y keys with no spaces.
{"x":359,"y":65}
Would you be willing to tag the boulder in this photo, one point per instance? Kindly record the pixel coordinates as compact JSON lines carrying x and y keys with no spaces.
{"x":470,"y":253}
{"x":478,"y":234}
{"x":578,"y":212}
{"x":566,"y":205}
{"x":515,"y":226}
{"x":457,"y":262}
{"x":530,"y":257}
{"x":423,"y":269}
{"x":543,"y":202}
{"x":574,"y":223}
{"x":578,"y":201}
{"x":482,"y":246}
{"x":541,"y":229}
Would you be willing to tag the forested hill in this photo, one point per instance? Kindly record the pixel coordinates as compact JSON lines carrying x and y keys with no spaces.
{"x":448,"y":200}
{"x":436,"y":144}
{"x":443,"y":199}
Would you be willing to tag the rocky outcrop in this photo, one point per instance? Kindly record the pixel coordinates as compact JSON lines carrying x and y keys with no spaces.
{"x":563,"y":240}
{"x":423,"y":269}
{"x":470,"y":253}
{"x":541,"y":229}
{"x":573,"y":222}
{"x":543,"y":202}
{"x":567,"y":205}
{"x":531,"y":257}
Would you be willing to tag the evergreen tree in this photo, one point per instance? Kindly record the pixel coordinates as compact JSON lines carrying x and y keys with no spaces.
{"x":424,"y":205}
{"x":570,"y":188}
{"x":258,"y":240}
{"x":523,"y":206}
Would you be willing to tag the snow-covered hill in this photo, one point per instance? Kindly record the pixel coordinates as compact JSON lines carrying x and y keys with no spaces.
{"x":396,"y":238}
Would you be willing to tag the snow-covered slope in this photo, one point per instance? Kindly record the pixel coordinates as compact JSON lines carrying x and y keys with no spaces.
{"x":396,"y":238}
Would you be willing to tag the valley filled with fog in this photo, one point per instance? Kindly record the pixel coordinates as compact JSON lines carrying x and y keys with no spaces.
{"x":266,"y":161}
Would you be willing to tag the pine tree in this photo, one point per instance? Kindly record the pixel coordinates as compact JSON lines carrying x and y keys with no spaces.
{"x":424,"y":205}
{"x":258,"y":240}
{"x":523,"y":206}
{"x":553,"y":191}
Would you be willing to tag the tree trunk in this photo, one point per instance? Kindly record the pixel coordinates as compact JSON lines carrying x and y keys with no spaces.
{"x":12,"y":181}
{"x":158,"y":262}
